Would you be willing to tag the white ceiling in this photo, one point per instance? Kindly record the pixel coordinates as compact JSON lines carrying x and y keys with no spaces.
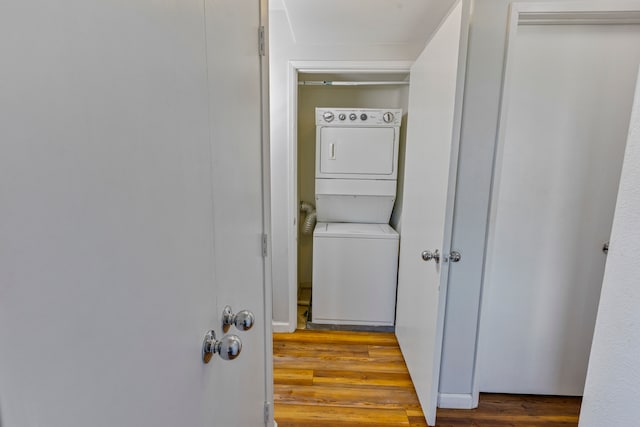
{"x":354,"y":22}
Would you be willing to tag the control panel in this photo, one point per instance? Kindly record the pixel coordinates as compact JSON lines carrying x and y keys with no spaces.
{"x":372,"y":117}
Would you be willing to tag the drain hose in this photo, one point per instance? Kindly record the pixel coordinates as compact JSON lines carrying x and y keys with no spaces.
{"x":310,"y":218}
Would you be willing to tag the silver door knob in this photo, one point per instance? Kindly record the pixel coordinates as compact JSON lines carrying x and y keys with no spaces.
{"x":229,"y":347}
{"x":455,"y":256}
{"x":428,"y":255}
{"x":243,"y":320}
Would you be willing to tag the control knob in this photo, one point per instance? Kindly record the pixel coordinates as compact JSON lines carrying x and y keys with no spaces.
{"x":387,"y":117}
{"x":342,"y":116}
{"x":328,"y":116}
{"x":353,"y":116}
{"x":363,"y":116}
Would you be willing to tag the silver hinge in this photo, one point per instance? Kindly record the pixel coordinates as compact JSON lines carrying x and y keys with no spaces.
{"x":267,"y":412}
{"x":261,"y":40}
{"x":264,"y":245}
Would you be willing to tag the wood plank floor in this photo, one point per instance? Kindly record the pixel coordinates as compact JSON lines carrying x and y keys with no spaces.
{"x":339,"y":379}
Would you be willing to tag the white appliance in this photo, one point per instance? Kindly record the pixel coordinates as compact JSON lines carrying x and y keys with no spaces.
{"x":355,"y":269}
{"x":355,"y":251}
{"x":356,"y":164}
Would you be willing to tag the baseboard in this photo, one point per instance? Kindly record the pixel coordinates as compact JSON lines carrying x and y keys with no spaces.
{"x":455,"y":401}
{"x":357,"y":328}
{"x":280,"y":327}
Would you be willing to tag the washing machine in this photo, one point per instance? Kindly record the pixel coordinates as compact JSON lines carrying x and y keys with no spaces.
{"x":355,"y":250}
{"x":355,"y":270}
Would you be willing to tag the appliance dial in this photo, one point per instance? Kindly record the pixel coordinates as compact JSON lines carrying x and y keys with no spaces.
{"x":387,"y":117}
{"x":352,"y":116}
{"x":328,"y":116}
{"x":342,"y":116}
{"x":363,"y":116}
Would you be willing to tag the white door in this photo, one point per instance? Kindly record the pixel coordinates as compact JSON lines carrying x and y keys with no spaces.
{"x":568,"y":104}
{"x":130,"y":212}
{"x":431,"y":159}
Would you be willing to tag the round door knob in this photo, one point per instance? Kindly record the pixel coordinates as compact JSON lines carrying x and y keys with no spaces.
{"x":428,"y":255}
{"x":455,"y":256}
{"x":228,"y":348}
{"x":243,"y":320}
{"x":387,"y":117}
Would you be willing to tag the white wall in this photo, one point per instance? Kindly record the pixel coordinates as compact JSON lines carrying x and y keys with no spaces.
{"x":479,"y":119}
{"x":613,"y":378}
{"x":283,"y":48}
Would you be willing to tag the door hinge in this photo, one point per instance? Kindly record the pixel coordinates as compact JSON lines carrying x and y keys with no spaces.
{"x":261,"y":41}
{"x":264,"y":245}
{"x":267,"y":412}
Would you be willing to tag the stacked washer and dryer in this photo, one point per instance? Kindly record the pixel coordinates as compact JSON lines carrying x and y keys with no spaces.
{"x":355,"y":250}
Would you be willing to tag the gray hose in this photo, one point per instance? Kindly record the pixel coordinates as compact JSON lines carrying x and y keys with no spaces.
{"x":310,"y":219}
{"x":309,"y":223}
{"x":307,"y":207}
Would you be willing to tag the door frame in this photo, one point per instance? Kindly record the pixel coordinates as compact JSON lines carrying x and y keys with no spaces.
{"x":266,"y":215}
{"x":293,"y":214}
{"x":535,"y":13}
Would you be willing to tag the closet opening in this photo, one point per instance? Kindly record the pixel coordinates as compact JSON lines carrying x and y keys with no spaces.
{"x":336,"y":91}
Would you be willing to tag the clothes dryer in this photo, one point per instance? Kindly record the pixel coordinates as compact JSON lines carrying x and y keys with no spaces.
{"x":356,"y":164}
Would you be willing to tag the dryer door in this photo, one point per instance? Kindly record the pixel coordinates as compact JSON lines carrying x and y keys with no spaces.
{"x":356,"y":153}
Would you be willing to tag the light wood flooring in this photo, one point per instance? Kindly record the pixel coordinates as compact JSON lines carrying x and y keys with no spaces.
{"x":339,"y":379}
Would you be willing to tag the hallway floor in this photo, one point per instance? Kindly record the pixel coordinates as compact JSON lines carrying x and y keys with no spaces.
{"x":338,"y":379}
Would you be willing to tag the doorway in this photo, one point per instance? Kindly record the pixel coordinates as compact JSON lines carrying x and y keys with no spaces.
{"x":565,"y":110}
{"x":302,"y":100}
{"x":336,"y":90}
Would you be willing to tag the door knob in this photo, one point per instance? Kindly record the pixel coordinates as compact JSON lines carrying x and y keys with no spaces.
{"x":243,"y":320}
{"x":229,"y":347}
{"x":455,"y":256}
{"x":605,"y":248}
{"x":428,"y":255}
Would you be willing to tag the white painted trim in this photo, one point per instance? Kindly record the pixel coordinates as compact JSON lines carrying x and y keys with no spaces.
{"x":372,"y":67}
{"x":293,"y":214}
{"x":456,"y":401}
{"x":524,"y":13}
{"x":586,"y":18}
{"x":282,"y":327}
{"x":266,"y":210}
{"x":576,"y":7}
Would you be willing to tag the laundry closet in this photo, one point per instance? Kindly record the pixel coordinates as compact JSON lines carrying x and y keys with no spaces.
{"x":350,"y":158}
